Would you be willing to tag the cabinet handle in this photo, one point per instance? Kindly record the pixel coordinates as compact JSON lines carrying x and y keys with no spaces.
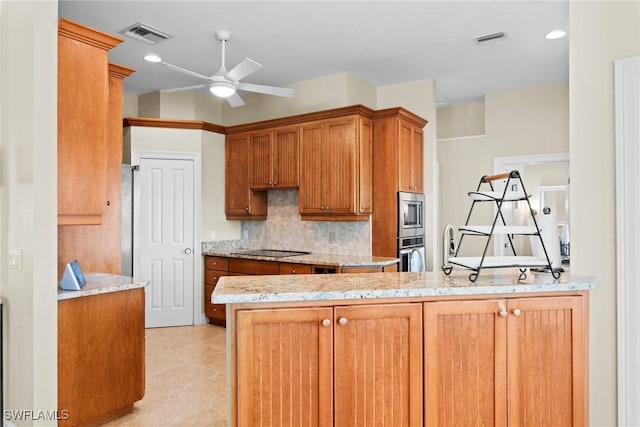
{"x":293,"y":271}
{"x":275,"y":183}
{"x":343,"y":321}
{"x":326,"y":207}
{"x":246,"y":209}
{"x":503,"y":313}
{"x":108,"y":203}
{"x":516,"y":312}
{"x":326,"y":322}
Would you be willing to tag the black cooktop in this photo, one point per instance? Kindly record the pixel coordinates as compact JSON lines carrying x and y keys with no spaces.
{"x":275,"y":253}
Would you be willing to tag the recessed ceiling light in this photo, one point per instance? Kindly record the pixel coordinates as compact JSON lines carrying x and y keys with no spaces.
{"x":153,"y":58}
{"x":555,"y":34}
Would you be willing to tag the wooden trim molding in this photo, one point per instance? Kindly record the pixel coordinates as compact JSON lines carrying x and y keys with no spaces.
{"x":401,"y":113}
{"x":302,"y":118}
{"x":120,"y":71}
{"x":627,"y":125}
{"x":173,"y":124}
{"x":87,"y":35}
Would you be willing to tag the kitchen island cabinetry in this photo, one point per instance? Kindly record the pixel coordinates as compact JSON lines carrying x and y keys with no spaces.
{"x":241,"y":202}
{"x":274,"y":156}
{"x":500,"y":351}
{"x":505,"y":362}
{"x":373,"y":354}
{"x":83,"y":111}
{"x":336,"y":163}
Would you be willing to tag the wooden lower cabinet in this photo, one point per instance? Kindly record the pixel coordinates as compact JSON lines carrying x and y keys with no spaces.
{"x":101,"y":356}
{"x":330,"y":366}
{"x":214,"y":268}
{"x":503,"y":362}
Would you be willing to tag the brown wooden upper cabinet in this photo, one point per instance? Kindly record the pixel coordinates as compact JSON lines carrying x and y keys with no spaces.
{"x":274,"y":154}
{"x":83,"y":108}
{"x":335,"y":169}
{"x":241,"y":202}
{"x":410,"y":146}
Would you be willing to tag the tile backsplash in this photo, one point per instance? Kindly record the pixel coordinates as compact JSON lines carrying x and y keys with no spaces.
{"x":284,"y":229}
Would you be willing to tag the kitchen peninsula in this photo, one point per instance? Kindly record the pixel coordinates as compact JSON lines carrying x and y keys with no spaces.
{"x":101,"y":349}
{"x":415,"y":348}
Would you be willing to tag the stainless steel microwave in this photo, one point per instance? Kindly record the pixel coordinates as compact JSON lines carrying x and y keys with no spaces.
{"x":410,"y":214}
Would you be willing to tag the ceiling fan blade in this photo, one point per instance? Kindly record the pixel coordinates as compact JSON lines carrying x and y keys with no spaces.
{"x":182,"y":70}
{"x":235,"y":100}
{"x":269,"y":90}
{"x":243,"y":69}
{"x":179,"y":89}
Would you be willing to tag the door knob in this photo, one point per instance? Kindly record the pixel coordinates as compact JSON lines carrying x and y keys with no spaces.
{"x":516,"y":312}
{"x":188,"y":251}
{"x":503,"y":313}
{"x":326,"y":322}
{"x":343,"y":321}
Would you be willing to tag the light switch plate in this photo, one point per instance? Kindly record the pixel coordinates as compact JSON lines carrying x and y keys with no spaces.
{"x":15,"y":259}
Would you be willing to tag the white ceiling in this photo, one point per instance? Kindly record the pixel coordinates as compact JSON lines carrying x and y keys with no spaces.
{"x":382,"y":42}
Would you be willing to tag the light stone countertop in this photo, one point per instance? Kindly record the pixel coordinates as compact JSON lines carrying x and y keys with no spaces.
{"x":336,"y":260}
{"x":102,"y":283}
{"x":326,"y":287}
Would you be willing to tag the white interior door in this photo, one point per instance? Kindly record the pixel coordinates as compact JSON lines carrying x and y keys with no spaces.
{"x":166,"y":240}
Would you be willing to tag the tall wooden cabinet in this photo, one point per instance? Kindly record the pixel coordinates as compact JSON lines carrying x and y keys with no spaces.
{"x":517,"y":361}
{"x":83,"y":108}
{"x":241,"y":202}
{"x":88,"y":135}
{"x":335,"y":163}
{"x":313,"y":358}
{"x":398,"y":159}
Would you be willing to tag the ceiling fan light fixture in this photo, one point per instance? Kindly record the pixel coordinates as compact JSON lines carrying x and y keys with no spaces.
{"x":222,"y":89}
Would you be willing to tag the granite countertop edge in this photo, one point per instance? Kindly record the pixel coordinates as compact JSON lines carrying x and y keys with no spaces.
{"x":102,"y":283}
{"x":263,"y":289}
{"x":336,"y":260}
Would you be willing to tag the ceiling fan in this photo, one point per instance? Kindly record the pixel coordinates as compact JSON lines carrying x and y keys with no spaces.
{"x":223,"y":83}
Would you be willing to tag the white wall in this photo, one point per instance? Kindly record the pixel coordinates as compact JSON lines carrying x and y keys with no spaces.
{"x":601,"y":32}
{"x":211,"y":148}
{"x":519,"y":122}
{"x":28,"y":214}
{"x":461,"y":120}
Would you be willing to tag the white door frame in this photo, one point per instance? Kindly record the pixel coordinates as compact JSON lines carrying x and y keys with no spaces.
{"x":627,"y":125}
{"x":506,"y":164}
{"x":136,"y":156}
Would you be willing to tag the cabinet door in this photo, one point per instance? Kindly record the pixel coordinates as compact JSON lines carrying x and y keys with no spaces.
{"x":410,"y":158}
{"x":286,"y":151}
{"x":311,"y":169}
{"x":339,"y":192}
{"x":378,"y":365}
{"x":261,"y":170}
{"x":546,"y":364}
{"x":365,"y":164}
{"x":83,"y":96}
{"x":465,"y":359}
{"x":284,"y":367}
{"x":240,"y":201}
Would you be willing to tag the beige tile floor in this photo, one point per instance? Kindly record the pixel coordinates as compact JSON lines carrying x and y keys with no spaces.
{"x":185,"y":379}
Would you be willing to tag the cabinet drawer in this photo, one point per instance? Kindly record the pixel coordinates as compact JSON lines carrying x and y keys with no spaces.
{"x":293,"y":268}
{"x":250,"y":266}
{"x":211,"y":276}
{"x":360,"y":269}
{"x":213,"y":311}
{"x":216,"y":263}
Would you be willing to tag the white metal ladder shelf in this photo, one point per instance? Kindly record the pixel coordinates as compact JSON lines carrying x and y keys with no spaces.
{"x":476,"y":264}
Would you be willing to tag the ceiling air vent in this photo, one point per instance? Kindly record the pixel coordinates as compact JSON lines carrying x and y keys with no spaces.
{"x":490,"y":37}
{"x":145,"y":33}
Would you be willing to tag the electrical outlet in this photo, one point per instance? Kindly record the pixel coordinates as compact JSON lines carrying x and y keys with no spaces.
{"x":15,"y":259}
